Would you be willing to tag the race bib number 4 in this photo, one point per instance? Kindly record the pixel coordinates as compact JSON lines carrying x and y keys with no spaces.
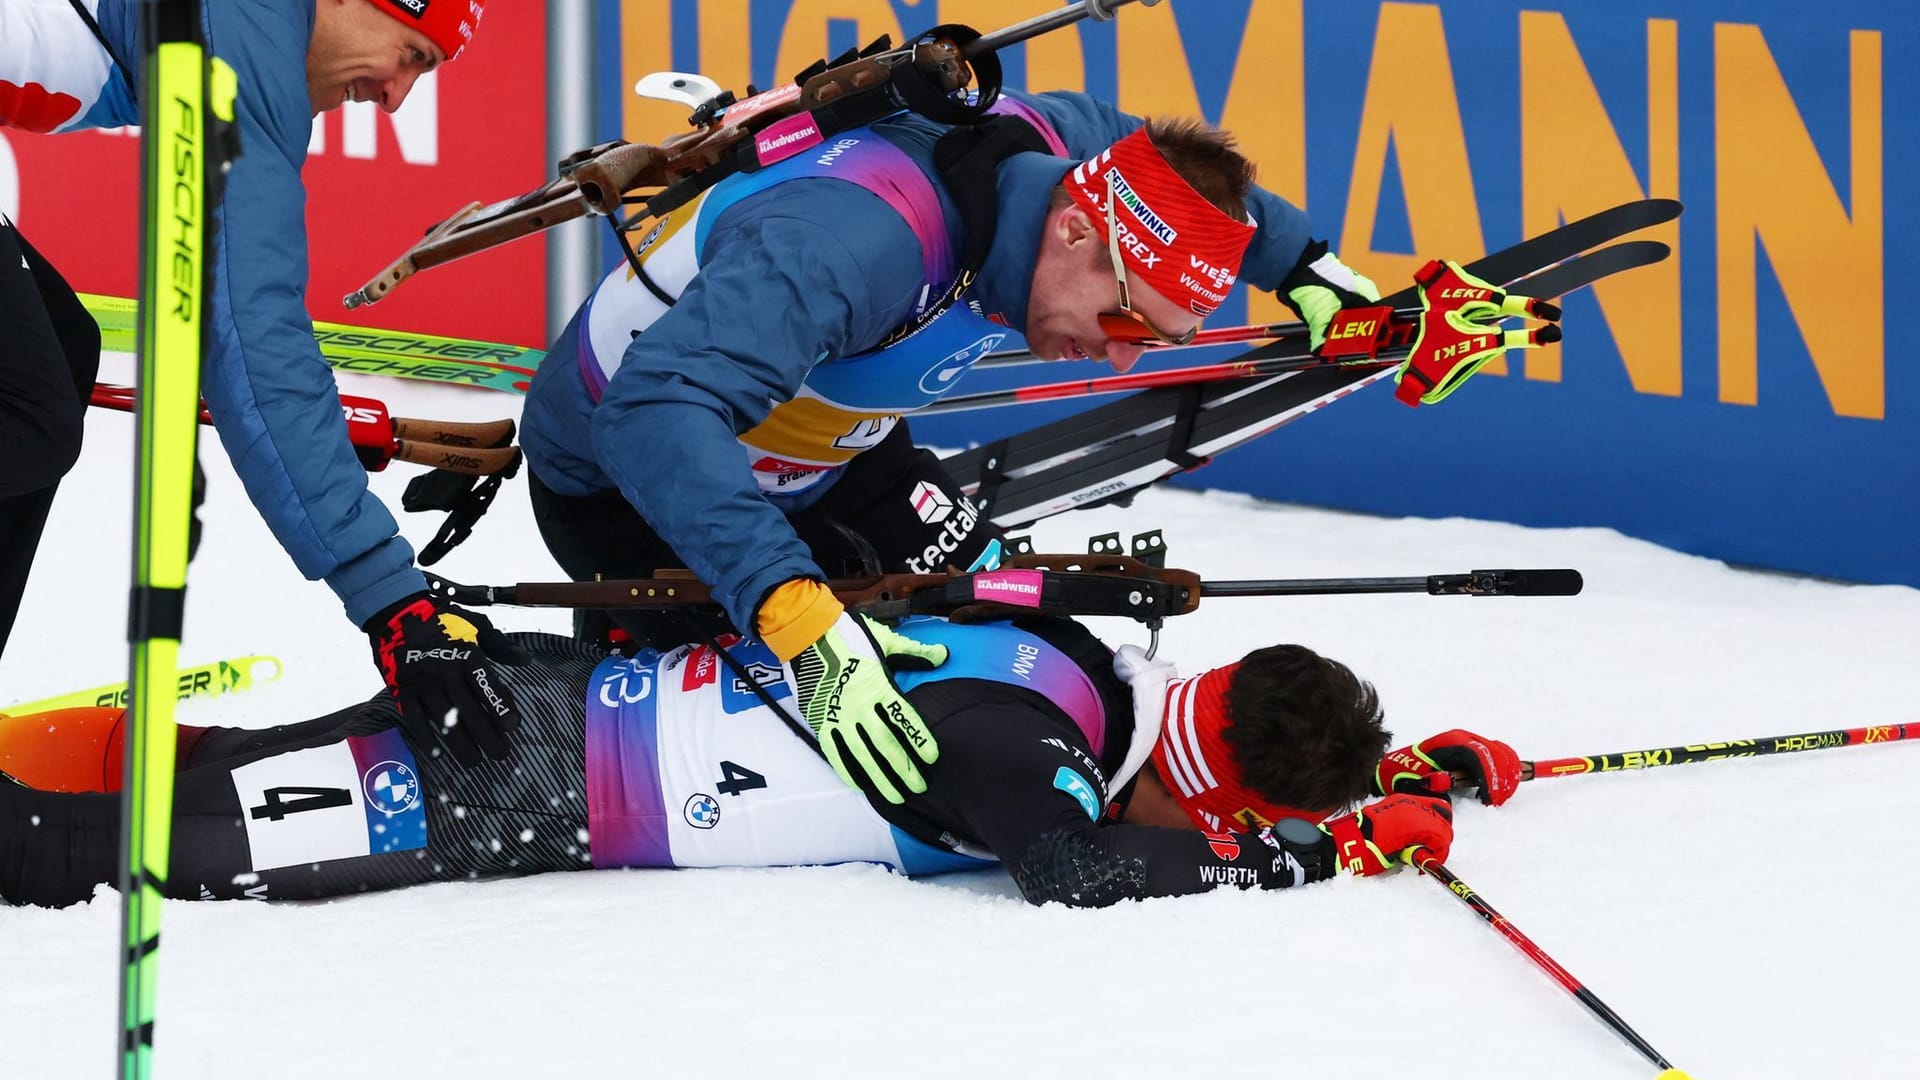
{"x":338,"y":801}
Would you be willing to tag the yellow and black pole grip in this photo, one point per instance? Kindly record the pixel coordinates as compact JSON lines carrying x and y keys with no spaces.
{"x":1459,"y":331}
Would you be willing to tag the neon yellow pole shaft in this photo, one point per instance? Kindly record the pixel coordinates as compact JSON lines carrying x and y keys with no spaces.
{"x":177,"y":231}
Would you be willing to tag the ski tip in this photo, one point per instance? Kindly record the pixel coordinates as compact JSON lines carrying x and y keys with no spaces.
{"x":1545,"y":582}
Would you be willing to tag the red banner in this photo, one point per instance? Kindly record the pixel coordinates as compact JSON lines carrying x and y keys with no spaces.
{"x":475,"y":130}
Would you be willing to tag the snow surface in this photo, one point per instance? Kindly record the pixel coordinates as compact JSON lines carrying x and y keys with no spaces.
{"x":1751,"y":918}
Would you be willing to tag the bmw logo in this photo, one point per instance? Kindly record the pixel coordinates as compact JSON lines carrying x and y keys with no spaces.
{"x":391,"y":787}
{"x":702,"y":812}
{"x":941,"y":378}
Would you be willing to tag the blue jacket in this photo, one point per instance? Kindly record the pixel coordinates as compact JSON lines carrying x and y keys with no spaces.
{"x":272,"y":396}
{"x":814,"y":268}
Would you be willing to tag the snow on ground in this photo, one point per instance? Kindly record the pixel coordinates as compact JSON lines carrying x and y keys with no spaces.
{"x":1752,"y":919}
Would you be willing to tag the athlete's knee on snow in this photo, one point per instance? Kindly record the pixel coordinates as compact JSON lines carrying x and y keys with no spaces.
{"x":1067,"y":868}
{"x":55,"y":847}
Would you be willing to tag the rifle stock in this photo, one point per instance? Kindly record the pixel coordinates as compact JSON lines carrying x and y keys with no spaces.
{"x":604,"y":179}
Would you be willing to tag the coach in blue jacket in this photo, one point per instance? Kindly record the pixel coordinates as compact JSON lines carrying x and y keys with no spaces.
{"x":731,"y":400}
{"x":73,"y":64}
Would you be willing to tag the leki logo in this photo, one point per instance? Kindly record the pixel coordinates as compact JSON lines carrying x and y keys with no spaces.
{"x":1879,"y":734}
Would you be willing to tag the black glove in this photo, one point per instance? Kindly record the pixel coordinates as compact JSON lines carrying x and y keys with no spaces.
{"x":434,"y":660}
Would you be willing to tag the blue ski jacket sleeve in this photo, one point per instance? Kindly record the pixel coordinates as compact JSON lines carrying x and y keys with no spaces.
{"x":809,"y":270}
{"x":271,"y":393}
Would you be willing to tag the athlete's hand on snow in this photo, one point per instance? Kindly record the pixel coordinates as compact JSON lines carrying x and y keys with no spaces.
{"x":850,"y":702}
{"x":1320,"y":285}
{"x":1460,"y":331}
{"x":436,"y":667}
{"x":1428,"y":767}
{"x":1371,"y":839}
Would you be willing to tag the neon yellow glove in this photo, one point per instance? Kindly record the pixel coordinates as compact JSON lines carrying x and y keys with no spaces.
{"x":1320,"y":285}
{"x":849,"y":701}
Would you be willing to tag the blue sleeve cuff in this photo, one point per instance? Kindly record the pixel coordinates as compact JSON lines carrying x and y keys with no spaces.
{"x":376,"y":580}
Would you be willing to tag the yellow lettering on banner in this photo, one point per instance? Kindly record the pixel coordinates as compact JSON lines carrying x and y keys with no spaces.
{"x":1411,"y":100}
{"x":1771,"y":184}
{"x":1054,"y":61}
{"x":726,"y":44}
{"x":1266,"y":106}
{"x":1572,"y":164}
{"x":646,"y":34}
{"x":646,"y":46}
{"x":803,"y":39}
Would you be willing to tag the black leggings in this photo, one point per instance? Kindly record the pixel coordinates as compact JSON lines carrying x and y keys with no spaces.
{"x":49,"y":355}
{"x":525,"y":815}
{"x":867,"y":523}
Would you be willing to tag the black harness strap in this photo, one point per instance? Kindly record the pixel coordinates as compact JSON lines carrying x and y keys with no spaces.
{"x":966,"y":159}
{"x":126,"y":73}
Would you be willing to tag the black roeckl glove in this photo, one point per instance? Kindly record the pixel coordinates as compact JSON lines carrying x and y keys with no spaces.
{"x":434,"y":660}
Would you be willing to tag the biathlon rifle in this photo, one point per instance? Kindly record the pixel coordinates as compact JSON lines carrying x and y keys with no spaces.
{"x":1029,"y":584}
{"x":930,"y":75}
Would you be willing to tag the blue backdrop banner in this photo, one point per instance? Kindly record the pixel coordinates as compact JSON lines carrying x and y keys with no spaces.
{"x":1737,"y":401}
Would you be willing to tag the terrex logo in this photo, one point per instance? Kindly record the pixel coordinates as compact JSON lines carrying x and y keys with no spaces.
{"x":418,"y":8}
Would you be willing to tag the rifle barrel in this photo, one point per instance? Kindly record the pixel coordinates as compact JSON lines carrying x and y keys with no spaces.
{"x":1101,"y":10}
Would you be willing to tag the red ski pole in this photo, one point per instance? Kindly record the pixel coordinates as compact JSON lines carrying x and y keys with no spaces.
{"x":1424,"y":860}
{"x":1141,"y":380}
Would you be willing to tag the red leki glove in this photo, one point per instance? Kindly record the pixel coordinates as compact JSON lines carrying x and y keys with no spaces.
{"x":1427,"y":767}
{"x":1460,"y":331}
{"x":1369,"y":840}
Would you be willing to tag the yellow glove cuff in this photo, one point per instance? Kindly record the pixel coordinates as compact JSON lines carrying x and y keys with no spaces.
{"x":796,"y":614}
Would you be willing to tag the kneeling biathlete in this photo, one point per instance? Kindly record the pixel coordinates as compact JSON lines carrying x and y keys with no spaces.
{"x":1092,"y":777}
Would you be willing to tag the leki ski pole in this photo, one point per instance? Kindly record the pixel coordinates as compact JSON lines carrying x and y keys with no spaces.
{"x":1692,"y":753}
{"x":1424,"y":861}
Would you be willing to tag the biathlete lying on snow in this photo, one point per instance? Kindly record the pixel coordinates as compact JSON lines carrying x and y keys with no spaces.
{"x":1093,"y":777}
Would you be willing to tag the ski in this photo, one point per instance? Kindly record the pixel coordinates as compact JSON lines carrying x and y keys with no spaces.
{"x":1103,"y":453}
{"x":194,"y":684}
{"x":364,"y":350}
{"x":1226,"y":419}
{"x":1300,"y":357}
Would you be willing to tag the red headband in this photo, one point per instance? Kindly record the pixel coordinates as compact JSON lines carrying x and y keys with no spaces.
{"x":1184,"y":247}
{"x":449,"y":24}
{"x":1197,"y":765}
